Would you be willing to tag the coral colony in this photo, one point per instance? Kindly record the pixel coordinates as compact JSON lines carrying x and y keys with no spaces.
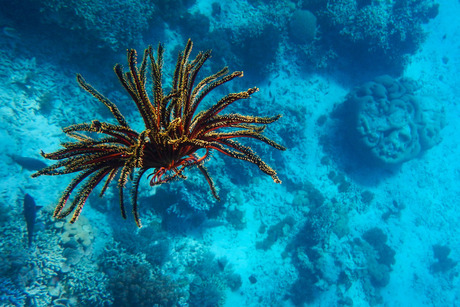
{"x":173,"y":134}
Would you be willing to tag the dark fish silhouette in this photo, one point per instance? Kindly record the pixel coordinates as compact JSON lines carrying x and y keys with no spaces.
{"x":30,"y":213}
{"x":30,"y":164}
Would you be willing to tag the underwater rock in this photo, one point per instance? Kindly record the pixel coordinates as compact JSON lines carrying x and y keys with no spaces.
{"x":390,"y":122}
{"x":443,"y":263}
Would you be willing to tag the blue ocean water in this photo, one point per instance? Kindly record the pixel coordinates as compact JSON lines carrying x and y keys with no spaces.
{"x":365,"y":214}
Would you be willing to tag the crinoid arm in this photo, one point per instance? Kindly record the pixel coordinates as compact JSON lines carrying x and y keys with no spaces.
{"x":93,"y":158}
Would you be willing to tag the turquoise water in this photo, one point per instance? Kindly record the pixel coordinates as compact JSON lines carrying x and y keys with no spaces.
{"x":366,"y":211}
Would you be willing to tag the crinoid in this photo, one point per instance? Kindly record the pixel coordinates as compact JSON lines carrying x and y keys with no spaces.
{"x":174,"y":131}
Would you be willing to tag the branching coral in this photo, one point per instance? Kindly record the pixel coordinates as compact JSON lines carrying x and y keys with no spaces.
{"x":141,"y":283}
{"x":10,"y":295}
{"x":174,"y":132}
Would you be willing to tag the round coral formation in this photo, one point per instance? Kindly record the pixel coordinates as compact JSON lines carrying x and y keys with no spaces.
{"x":302,"y":27}
{"x":391,"y":123}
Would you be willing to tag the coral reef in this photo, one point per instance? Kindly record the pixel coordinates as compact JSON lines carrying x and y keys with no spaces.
{"x":255,"y":49}
{"x":339,"y":179}
{"x":212,"y":276}
{"x":110,"y":23}
{"x":150,"y":240}
{"x":302,"y":27}
{"x":306,"y":247}
{"x":145,"y":288}
{"x":87,"y":285}
{"x":443,"y":262}
{"x":275,"y":232}
{"x":375,"y":258}
{"x":171,"y":11}
{"x":10,"y":295}
{"x":140,"y":283}
{"x":370,"y":34}
{"x":325,"y":262}
{"x":56,"y":269}
{"x":377,"y":239}
{"x":236,"y":218}
{"x":195,"y":26}
{"x":250,"y":43}
{"x":328,"y":259}
{"x":309,"y":196}
{"x":76,"y":239}
{"x":207,"y":293}
{"x":390,"y":122}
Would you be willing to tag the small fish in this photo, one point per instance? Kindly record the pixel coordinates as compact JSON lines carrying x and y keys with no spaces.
{"x":30,"y":213}
{"x":10,"y":32}
{"x":211,"y":223}
{"x":30,"y":164}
